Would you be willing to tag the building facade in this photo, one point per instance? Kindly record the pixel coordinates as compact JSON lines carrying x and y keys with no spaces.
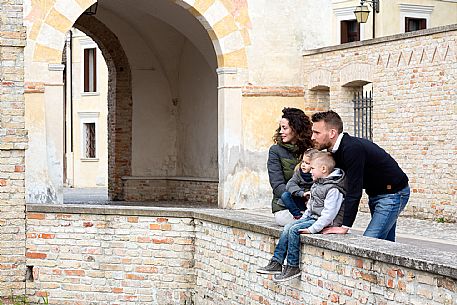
{"x":193,"y":102}
{"x":86,"y":106}
{"x":195,"y":92}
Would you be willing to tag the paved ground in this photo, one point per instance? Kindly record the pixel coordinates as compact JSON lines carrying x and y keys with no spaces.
{"x":442,"y":236}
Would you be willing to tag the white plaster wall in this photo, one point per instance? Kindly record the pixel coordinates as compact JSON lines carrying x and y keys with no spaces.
{"x":197,"y":116}
{"x":154,"y":116}
{"x":174,"y":96}
{"x":281,"y":30}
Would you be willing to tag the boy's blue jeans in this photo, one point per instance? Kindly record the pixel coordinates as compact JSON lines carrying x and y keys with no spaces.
{"x":293,"y":203}
{"x":384,"y":213}
{"x":289,"y":242}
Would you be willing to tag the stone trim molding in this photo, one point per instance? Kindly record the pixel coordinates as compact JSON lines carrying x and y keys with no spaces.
{"x":284,"y":91}
{"x":412,"y":8}
{"x":417,"y":258}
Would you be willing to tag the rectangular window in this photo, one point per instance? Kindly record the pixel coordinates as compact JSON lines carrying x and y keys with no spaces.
{"x":350,"y":31}
{"x":89,"y":140}
{"x":415,"y":24}
{"x":90,"y":70}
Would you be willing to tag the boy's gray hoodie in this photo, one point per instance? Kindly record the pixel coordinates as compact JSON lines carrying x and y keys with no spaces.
{"x":325,"y":203}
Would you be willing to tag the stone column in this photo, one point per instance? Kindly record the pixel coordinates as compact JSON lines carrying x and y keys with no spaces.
{"x":229,"y":131}
{"x":54,"y":114}
{"x":13,"y":142}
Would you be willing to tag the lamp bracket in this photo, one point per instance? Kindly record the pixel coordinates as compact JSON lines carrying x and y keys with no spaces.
{"x":373,"y":3}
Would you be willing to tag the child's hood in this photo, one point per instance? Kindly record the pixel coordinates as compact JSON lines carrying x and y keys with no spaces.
{"x":336,"y":175}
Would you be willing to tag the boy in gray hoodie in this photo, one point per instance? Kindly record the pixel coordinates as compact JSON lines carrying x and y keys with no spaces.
{"x":324,"y":208}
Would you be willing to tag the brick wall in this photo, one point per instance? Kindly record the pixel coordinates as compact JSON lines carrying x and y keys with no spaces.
{"x":13,"y":141}
{"x":114,"y":255}
{"x":157,"y":189}
{"x":110,"y":259}
{"x":414,"y":77}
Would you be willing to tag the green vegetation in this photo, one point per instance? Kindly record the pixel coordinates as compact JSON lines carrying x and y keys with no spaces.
{"x":440,"y":220}
{"x":21,"y":300}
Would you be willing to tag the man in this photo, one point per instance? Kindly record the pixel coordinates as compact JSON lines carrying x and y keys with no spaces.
{"x":368,"y":167}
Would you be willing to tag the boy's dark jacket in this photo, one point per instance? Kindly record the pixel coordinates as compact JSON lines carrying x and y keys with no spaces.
{"x":297,"y":185}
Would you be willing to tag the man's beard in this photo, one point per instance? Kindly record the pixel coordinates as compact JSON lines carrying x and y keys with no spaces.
{"x":327,"y":145}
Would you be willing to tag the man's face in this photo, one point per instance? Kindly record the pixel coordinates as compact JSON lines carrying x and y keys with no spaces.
{"x":322,"y":136}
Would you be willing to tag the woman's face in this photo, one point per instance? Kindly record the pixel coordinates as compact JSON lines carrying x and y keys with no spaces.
{"x":286,"y":132}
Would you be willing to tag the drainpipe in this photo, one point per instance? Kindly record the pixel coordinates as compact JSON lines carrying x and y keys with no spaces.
{"x":69,"y":93}
{"x":374,"y":22}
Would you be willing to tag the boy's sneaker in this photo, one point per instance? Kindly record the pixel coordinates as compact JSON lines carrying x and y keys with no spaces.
{"x":288,"y":273}
{"x":273,"y":267}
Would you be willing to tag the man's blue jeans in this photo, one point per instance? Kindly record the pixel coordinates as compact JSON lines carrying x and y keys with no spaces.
{"x":289,"y":242}
{"x":385,"y":210}
{"x":293,"y":203}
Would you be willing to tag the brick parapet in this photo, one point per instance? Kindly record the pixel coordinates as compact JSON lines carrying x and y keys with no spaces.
{"x":209,"y":256}
{"x":414,"y":82}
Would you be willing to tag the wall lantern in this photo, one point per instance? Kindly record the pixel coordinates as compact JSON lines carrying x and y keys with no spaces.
{"x":361,"y":12}
{"x":91,"y":10}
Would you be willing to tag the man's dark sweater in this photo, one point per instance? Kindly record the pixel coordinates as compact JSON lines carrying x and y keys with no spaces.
{"x":368,"y":167}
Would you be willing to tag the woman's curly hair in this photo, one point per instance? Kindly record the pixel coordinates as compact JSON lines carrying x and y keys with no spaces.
{"x":300,"y":124}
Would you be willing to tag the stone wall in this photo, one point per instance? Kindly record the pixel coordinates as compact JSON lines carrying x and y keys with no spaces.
{"x":118,"y":255}
{"x":13,"y":140}
{"x":414,"y":78}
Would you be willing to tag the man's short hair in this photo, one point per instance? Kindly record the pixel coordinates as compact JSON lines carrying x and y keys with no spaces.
{"x":324,"y":158}
{"x":331,"y":118}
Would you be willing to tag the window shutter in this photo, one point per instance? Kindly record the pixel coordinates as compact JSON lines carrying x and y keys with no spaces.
{"x":86,"y":70}
{"x":344,"y":32}
{"x":95,"y":69}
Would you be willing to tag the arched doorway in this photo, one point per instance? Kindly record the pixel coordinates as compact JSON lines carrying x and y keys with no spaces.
{"x":170,"y":118}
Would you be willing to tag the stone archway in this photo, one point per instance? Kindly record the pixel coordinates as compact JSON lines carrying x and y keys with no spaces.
{"x":225,"y":24}
{"x":119,"y":102}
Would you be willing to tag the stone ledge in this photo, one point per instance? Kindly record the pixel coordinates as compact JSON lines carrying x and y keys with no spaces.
{"x":414,"y":257}
{"x":384,"y":39}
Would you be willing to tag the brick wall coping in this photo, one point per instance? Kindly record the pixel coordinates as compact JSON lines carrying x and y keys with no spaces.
{"x":426,"y":32}
{"x":176,"y":178}
{"x":424,"y":259}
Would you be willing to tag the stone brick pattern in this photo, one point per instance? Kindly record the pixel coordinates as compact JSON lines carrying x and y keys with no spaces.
{"x":414,"y":79}
{"x":226,"y":259}
{"x":124,"y":259}
{"x":108,"y":259}
{"x":170,"y":190}
{"x":13,"y":141}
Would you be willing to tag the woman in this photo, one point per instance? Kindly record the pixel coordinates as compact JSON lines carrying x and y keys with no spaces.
{"x":291,"y":139}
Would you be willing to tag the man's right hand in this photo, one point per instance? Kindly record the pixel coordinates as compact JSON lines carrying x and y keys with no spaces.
{"x":335,"y":230}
